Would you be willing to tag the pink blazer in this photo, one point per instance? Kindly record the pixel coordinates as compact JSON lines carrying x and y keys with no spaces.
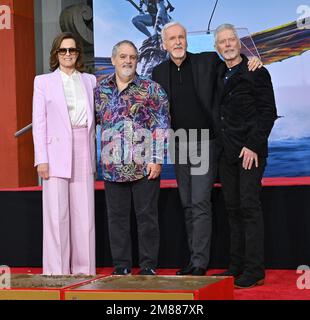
{"x":52,"y":132}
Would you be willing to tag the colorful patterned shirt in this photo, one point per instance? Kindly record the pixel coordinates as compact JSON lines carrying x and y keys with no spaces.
{"x":134,"y":127}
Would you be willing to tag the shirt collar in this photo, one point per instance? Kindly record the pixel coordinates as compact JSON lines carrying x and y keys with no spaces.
{"x":234,"y":68}
{"x":184,"y":62}
{"x":111,"y":80}
{"x":66,"y":77}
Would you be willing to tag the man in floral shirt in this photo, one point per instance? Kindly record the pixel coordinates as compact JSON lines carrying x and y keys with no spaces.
{"x":134,"y":116}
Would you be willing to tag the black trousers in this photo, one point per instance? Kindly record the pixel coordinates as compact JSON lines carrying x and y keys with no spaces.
{"x":241,"y":190}
{"x":143,"y":195}
{"x":195,"y":193}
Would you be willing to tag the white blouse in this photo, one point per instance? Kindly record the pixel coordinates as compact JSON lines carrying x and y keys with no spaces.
{"x":76,"y":98}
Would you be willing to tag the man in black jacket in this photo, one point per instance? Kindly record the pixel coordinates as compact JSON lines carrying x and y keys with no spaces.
{"x":189,"y":80}
{"x":245,"y":114}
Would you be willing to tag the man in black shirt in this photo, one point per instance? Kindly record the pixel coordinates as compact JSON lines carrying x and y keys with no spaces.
{"x":246,"y":112}
{"x":189,"y":80}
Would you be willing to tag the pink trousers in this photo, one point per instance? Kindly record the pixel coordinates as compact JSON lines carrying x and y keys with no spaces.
{"x":68,"y":216}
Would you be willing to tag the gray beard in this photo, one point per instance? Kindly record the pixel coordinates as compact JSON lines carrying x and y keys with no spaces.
{"x":126,"y":72}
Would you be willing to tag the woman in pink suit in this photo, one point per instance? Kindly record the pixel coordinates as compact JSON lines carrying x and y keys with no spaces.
{"x":64,"y":143}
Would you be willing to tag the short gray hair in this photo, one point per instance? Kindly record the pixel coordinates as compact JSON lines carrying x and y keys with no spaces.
{"x":116,"y":47}
{"x":168,"y":25}
{"x":225,"y":26}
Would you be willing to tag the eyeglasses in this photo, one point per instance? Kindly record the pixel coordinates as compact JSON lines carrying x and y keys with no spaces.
{"x":64,"y":51}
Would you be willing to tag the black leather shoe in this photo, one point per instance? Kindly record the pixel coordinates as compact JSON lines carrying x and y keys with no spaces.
{"x":246,"y":282}
{"x":121,"y":271}
{"x":228,"y":273}
{"x":199,"y":272}
{"x":185,"y":271}
{"x":147,"y":272}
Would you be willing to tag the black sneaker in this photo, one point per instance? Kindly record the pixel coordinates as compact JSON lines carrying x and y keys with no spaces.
{"x":185,"y":271}
{"x":121,"y":271}
{"x":246,"y":282}
{"x":147,"y":272}
{"x":199,"y":272}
